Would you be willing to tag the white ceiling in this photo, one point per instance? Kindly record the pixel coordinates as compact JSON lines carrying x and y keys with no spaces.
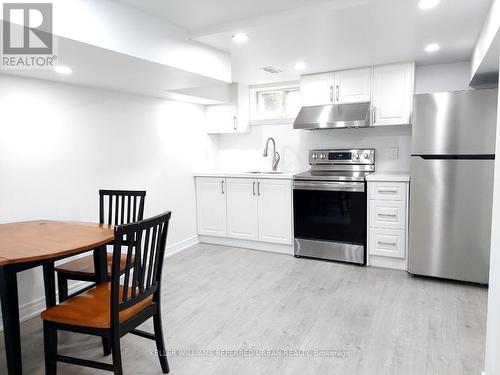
{"x":194,"y":14}
{"x":326,"y":34}
{"x":98,"y":67}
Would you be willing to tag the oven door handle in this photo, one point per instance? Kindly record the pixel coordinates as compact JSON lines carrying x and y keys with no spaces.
{"x":329,"y":186}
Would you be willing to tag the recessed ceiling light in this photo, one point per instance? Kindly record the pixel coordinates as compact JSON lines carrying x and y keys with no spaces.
{"x":432,"y":47}
{"x":240,"y":38}
{"x":300,"y":65}
{"x":62,"y":69}
{"x":428,"y":4}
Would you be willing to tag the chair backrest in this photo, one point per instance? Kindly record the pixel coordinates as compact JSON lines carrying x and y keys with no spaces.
{"x":117,"y":207}
{"x":146,"y":241}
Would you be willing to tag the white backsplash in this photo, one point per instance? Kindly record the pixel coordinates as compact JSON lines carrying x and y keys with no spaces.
{"x":244,"y":151}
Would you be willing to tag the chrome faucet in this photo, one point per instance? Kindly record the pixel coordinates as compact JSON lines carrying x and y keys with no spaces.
{"x":276,"y":155}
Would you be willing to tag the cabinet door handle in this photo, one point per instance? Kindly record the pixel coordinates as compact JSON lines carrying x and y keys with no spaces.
{"x":234,"y":123}
{"x":253,"y":188}
{"x":331,"y":93}
{"x":258,"y":189}
{"x":337,"y":93}
{"x":222,"y":186}
{"x":374,"y":115}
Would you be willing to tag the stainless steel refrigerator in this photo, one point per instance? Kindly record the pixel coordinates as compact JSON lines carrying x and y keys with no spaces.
{"x":451,"y":193}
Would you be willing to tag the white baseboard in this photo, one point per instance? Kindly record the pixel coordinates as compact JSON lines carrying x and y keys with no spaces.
{"x":246,"y":244}
{"x":35,"y":307}
{"x":181,"y":246}
{"x":384,"y":262}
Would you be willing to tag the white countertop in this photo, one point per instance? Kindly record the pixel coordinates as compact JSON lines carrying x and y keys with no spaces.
{"x":389,"y":176}
{"x":244,"y":174}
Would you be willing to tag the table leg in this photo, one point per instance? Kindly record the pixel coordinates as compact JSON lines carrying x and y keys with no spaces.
{"x":101,"y":264}
{"x":10,"y":317}
{"x":101,"y":272}
{"x":49,"y":284}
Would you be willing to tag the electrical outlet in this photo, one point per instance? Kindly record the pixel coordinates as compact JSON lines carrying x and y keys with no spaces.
{"x":393,"y":153}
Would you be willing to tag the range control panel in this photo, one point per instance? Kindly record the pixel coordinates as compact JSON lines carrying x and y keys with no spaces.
{"x":355,"y":156}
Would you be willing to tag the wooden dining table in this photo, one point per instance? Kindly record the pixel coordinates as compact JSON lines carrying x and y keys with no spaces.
{"x":30,"y":244}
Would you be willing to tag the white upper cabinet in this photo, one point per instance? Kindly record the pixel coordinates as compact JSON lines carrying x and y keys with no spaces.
{"x":242,"y":214}
{"x":353,"y":86}
{"x":389,"y":88}
{"x":275,"y":211}
{"x":233,"y":117}
{"x":392,"y":94}
{"x":348,"y":86}
{"x":211,"y":206}
{"x":222,"y":118}
{"x":317,"y":89}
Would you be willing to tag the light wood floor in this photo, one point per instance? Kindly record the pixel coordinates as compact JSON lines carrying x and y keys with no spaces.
{"x":226,"y":298}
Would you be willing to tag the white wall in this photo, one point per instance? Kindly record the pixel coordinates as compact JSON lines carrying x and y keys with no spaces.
{"x":245,"y":150}
{"x":486,"y":37}
{"x":60,"y":143}
{"x":492,"y":357}
{"x":442,"y":77}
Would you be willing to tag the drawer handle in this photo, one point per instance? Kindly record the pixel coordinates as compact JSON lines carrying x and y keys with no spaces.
{"x":387,"y":243}
{"x":388,"y":215}
{"x":388,"y":191}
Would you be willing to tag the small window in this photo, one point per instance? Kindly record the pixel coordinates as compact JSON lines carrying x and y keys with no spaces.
{"x":274,"y":105}
{"x":271,"y":104}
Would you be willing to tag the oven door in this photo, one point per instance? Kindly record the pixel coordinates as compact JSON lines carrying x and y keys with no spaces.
{"x":330,"y":220}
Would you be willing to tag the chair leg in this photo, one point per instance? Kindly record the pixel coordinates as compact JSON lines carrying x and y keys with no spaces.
{"x":62,"y":284}
{"x":106,"y":346}
{"x":50,"y":344}
{"x":160,"y":343}
{"x":117,"y":355}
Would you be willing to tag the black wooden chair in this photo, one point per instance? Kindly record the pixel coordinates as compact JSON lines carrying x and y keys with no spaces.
{"x":111,"y":309}
{"x":116,"y":207}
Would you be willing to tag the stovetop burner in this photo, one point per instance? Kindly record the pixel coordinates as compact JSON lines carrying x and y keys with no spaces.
{"x":339,"y":165}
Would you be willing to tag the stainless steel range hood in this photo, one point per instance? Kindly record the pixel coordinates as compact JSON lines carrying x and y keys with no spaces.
{"x":334,"y":116}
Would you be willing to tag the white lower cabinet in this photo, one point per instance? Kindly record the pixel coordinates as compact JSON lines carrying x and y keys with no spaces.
{"x":388,"y":224}
{"x":389,"y":191}
{"x":242,"y":212}
{"x":211,"y":206}
{"x":387,"y":243}
{"x":275,"y":211}
{"x":388,"y":214}
{"x":258,"y":210}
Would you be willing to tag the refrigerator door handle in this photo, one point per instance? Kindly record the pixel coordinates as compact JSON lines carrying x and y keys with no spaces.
{"x":458,"y":157}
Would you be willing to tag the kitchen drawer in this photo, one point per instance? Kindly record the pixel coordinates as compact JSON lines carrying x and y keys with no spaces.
{"x":387,"y":243}
{"x":393,"y":191}
{"x":387,"y":214}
